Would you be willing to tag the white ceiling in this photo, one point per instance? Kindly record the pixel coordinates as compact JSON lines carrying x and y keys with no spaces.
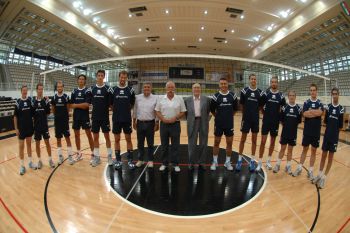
{"x":186,"y":19}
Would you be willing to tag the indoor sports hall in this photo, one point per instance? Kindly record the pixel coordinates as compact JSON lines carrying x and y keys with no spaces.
{"x":191,"y":73}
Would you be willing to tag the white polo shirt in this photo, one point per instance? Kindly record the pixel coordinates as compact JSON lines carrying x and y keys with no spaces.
{"x":170,"y":108}
{"x":144,"y":107}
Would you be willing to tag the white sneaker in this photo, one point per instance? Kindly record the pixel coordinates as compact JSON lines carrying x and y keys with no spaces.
{"x":288,"y":169}
{"x":268,"y":164}
{"x":321,"y":182}
{"x":40,"y":164}
{"x":213,"y":166}
{"x":297,"y":172}
{"x":92,"y":159}
{"x":70,"y":160}
{"x":22,"y":170}
{"x":228,"y":166}
{"x":110,"y":160}
{"x":177,"y":169}
{"x":258,"y":168}
{"x":150,"y":164}
{"x":78,"y":157}
{"x":162,"y":168}
{"x":315,"y":179}
{"x":276,"y":168}
{"x":139,"y":163}
{"x":60,"y":159}
{"x":51,"y":163}
{"x":32,"y":165}
{"x":310,"y":175}
{"x":96,"y":161}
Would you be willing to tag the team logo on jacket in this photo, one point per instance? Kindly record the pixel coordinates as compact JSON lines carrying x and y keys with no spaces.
{"x":122,"y":92}
{"x":79,"y":94}
{"x":25,"y":104}
{"x":99,"y":92}
{"x":39,"y":104}
{"x":273,"y":96}
{"x":313,"y":105}
{"x":59,"y":100}
{"x":252,"y":94}
{"x":224,"y":99}
{"x":291,"y":110}
{"x":333,"y":112}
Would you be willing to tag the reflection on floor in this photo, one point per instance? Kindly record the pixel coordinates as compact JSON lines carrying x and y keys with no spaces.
{"x":190,"y":192}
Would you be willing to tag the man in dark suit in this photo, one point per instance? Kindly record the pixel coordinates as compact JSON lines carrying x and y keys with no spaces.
{"x":198,"y":109}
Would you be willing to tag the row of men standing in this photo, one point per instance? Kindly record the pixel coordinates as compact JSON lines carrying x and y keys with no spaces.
{"x":148,"y":111}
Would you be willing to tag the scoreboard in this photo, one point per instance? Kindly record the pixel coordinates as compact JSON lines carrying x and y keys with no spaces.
{"x":186,"y":73}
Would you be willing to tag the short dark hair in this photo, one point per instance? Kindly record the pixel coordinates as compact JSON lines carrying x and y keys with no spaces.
{"x":59,"y":82}
{"x":101,"y":71}
{"x":275,"y":77}
{"x":292,"y":91}
{"x":123,"y":72}
{"x":39,"y":85}
{"x":147,"y":83}
{"x":313,"y":85}
{"x":251,"y":75}
{"x":24,"y":86}
{"x":82,"y":75}
{"x":335,"y":89}
{"x":223,"y":79}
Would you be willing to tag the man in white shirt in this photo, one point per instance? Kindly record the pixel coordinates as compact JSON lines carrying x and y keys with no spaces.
{"x":198,"y":109}
{"x":169,"y":109}
{"x":145,"y":123}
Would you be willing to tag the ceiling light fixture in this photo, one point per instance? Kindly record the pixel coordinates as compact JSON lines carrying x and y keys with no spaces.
{"x":130,"y":15}
{"x":140,"y":29}
{"x":87,"y":12}
{"x":241,"y":17}
{"x":206,"y":12}
{"x":285,"y":13}
{"x":103,"y":25}
{"x":167,"y":11}
{"x":270,"y":28}
{"x":173,"y":39}
{"x":147,"y":40}
{"x":225,"y":41}
{"x":200,"y":39}
{"x":77,"y":4}
{"x":202,"y":28}
{"x":170,"y":27}
{"x":232,"y":31}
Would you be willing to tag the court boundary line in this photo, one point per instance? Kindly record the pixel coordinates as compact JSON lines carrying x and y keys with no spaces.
{"x":13,"y":216}
{"x":187,"y":217}
{"x":343,"y":226}
{"x":287,"y":204}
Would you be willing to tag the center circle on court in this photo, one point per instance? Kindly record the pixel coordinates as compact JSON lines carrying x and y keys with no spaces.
{"x":189,"y":193}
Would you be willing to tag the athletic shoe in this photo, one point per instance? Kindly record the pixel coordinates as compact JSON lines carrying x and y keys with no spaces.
{"x":70,"y":159}
{"x":258,"y":168}
{"x":268,"y":165}
{"x":32,"y":166}
{"x":310,"y":175}
{"x":96,"y":161}
{"x":110,"y":160}
{"x":316,"y":179}
{"x":51,"y":163}
{"x":150,"y":164}
{"x":276,"y":168}
{"x":22,"y":170}
{"x":139,"y":163}
{"x":213,"y":166}
{"x":239,"y":165}
{"x":92,"y":159}
{"x":297,"y":172}
{"x":40,"y":164}
{"x":118,"y":165}
{"x":60,"y":159}
{"x":252,"y":166}
{"x":288,"y":169}
{"x":78,"y":157}
{"x":131,"y":165}
{"x":228,"y":166}
{"x":321,"y":182}
{"x":162,"y":168}
{"x":177,"y":169}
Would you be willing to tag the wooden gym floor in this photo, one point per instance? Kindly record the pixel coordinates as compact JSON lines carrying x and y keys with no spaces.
{"x":78,"y":199}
